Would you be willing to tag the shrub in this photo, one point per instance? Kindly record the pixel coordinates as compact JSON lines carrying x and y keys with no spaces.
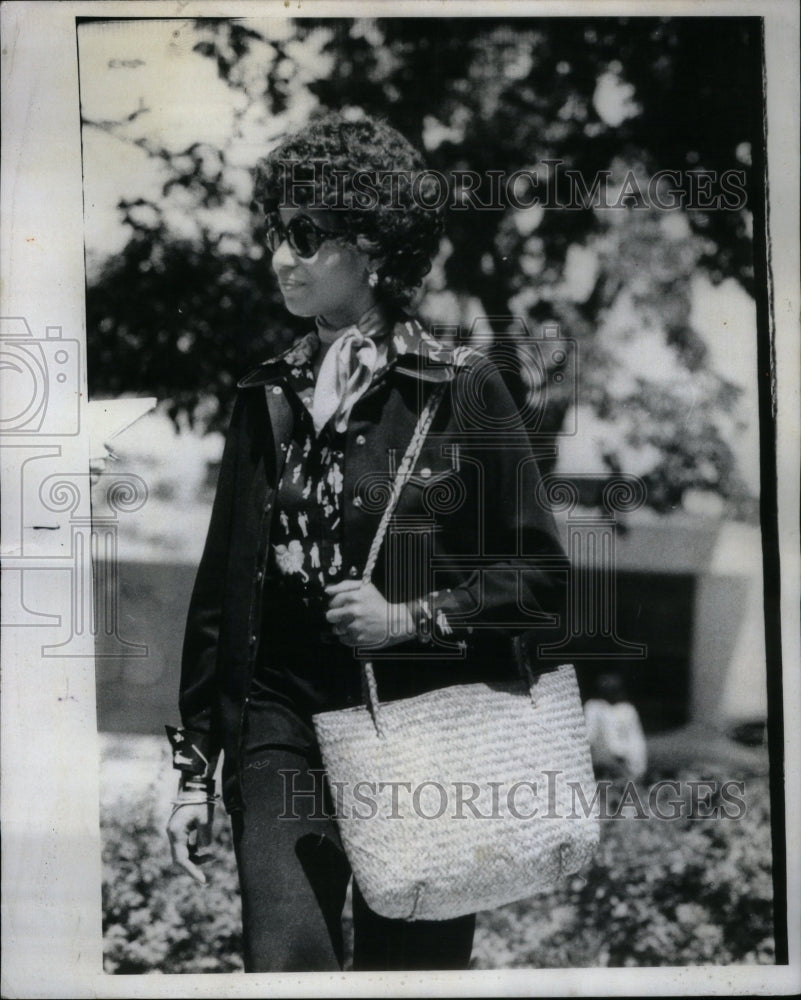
{"x":678,"y":892}
{"x":155,"y":918}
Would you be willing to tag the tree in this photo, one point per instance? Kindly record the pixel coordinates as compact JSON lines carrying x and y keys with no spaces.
{"x":609,"y":98}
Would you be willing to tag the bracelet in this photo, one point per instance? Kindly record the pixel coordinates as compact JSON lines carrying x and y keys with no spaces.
{"x":422,"y":617}
{"x":177,"y":803}
{"x":432,"y":622}
{"x":196,"y":783}
{"x":205,"y":785}
{"x":194,"y":790}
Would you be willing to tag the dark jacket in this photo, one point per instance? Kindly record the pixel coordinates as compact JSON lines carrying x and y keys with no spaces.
{"x":482,"y":542}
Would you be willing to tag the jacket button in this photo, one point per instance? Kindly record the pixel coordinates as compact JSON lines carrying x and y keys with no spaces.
{"x":253,"y":639}
{"x":276,"y":390}
{"x":357,"y":501}
{"x":425,"y":473}
{"x":353,"y":572}
{"x":360,"y":439}
{"x":259,"y":574}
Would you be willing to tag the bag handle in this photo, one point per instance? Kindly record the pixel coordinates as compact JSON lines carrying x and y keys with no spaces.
{"x":405,"y":469}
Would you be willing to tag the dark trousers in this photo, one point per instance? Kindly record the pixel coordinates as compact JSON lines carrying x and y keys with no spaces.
{"x":294,"y":877}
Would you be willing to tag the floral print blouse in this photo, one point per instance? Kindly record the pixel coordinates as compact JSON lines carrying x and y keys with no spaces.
{"x":306,"y":545}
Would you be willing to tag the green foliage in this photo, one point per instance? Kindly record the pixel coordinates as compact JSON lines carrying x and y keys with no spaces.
{"x":184,"y":317}
{"x":183,"y":322}
{"x":516,"y":92}
{"x":155,"y":918}
{"x":659,"y":892}
{"x":677,"y":892}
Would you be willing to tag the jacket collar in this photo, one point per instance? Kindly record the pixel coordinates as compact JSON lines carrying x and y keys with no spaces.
{"x":412,"y":351}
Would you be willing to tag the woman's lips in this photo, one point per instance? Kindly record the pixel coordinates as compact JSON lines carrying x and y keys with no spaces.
{"x":289,"y":284}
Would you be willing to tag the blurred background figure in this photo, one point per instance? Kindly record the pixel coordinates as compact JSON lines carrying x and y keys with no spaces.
{"x":615,"y":732}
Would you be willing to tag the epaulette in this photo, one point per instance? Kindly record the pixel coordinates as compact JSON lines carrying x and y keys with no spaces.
{"x":458,"y":356}
{"x":300,"y":352}
{"x":421,"y":342}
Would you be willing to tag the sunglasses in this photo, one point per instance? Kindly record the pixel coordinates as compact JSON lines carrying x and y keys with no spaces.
{"x":303,"y":236}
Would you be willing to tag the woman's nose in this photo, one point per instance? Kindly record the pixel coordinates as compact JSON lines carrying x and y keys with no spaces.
{"x":283,"y":256}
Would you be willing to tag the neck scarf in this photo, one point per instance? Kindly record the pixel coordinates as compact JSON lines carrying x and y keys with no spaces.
{"x":355,"y":355}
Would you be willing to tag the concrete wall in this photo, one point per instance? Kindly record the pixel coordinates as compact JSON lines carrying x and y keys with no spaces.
{"x":688,"y":591}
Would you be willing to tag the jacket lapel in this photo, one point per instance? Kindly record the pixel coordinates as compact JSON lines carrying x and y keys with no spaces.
{"x":270,"y":377}
{"x":281,"y":423}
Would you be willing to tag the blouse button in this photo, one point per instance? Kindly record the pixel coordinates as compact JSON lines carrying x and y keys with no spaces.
{"x":276,"y":390}
{"x":360,"y":439}
{"x":253,"y":639}
{"x":357,"y":501}
{"x":259,"y":574}
{"x":353,"y":572}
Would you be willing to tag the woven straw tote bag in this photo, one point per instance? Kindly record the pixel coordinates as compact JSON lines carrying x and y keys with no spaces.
{"x":464,"y":798}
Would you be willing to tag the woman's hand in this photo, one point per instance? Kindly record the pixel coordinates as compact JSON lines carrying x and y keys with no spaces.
{"x":360,"y":616}
{"x":189,"y":830}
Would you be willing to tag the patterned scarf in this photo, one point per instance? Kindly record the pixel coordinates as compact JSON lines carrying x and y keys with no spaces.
{"x":356,"y":353}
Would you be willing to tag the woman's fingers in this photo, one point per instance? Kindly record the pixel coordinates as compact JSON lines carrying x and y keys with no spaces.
{"x":341,"y":615}
{"x":348,"y":591}
{"x":181,"y":857}
{"x":342,"y":587}
{"x":358,"y":613}
{"x":189,"y":829}
{"x":343,"y":601}
{"x":346,"y":625}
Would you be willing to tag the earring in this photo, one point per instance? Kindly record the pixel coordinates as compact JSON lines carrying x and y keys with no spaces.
{"x":372,"y":279}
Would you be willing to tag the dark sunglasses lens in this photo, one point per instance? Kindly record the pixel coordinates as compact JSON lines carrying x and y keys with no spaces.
{"x":275,"y":235}
{"x":304,"y":237}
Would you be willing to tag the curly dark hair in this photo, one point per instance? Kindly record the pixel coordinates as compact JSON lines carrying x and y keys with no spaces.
{"x":377,"y":182}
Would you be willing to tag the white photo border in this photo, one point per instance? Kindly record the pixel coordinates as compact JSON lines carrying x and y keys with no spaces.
{"x":52,"y":940}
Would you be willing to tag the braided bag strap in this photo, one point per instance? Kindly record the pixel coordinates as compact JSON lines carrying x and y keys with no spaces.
{"x":405,"y":469}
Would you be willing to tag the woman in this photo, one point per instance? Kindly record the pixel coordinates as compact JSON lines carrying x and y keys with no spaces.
{"x":279,"y":606}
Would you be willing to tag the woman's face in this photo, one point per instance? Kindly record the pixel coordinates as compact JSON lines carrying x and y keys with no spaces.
{"x":331,"y":284}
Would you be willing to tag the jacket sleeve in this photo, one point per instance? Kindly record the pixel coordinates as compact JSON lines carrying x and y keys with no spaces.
{"x":521,"y":576}
{"x":199,"y":738}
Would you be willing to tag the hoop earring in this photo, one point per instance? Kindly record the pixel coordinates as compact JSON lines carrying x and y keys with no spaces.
{"x":372,"y":279}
